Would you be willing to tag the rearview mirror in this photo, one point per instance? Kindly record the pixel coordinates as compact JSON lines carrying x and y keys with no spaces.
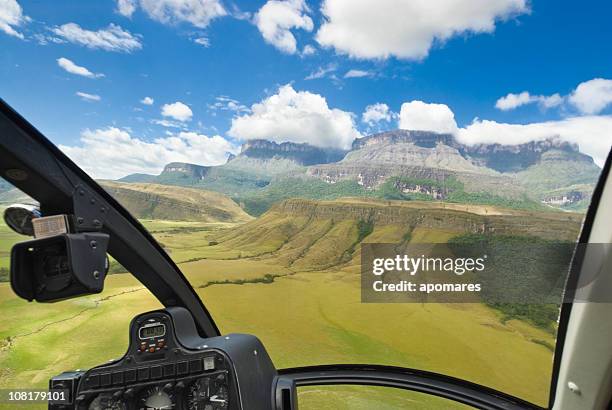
{"x":59,"y":267}
{"x":19,"y":217}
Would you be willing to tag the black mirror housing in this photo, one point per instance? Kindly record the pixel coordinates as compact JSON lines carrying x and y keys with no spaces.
{"x":59,"y":267}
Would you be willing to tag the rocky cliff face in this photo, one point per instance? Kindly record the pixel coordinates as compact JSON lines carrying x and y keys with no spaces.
{"x":501,"y":158}
{"x":424,"y":139}
{"x":515,"y":158}
{"x":303,"y":154}
{"x":534,"y":169}
{"x":189,"y":170}
{"x":549,"y":171}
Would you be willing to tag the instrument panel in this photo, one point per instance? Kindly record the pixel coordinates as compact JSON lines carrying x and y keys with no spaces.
{"x":169,"y":366}
{"x":198,"y":384}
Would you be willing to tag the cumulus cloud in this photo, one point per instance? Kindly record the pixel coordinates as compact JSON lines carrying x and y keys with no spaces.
{"x":88,"y":97}
{"x":297,"y":116}
{"x":376,"y":113}
{"x":72,"y":68}
{"x":276,"y":19}
{"x":593,"y":133}
{"x":591,"y":97}
{"x":512,"y":101}
{"x":421,"y":116}
{"x":11,"y":16}
{"x":112,"y":153}
{"x":126,"y":7}
{"x":199,"y":13}
{"x":147,"y":101}
{"x":112,"y":38}
{"x":178,"y":111}
{"x":407,"y":29}
{"x":357,"y":74}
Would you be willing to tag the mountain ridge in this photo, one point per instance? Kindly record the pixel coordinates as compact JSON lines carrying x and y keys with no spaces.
{"x":534,"y":170}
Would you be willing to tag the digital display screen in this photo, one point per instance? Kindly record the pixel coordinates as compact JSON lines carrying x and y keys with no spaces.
{"x":149,"y":332}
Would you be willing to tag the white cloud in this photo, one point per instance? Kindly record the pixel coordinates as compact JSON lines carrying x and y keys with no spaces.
{"x":126,"y":7}
{"x":308,"y":50}
{"x":169,"y":123}
{"x":512,"y":101}
{"x":297,"y":116}
{"x":226,"y":103}
{"x":112,"y":38}
{"x":593,"y":134}
{"x":199,"y":13}
{"x":203,"y":41}
{"x":275,"y":19}
{"x":322,"y":72}
{"x":591,"y":97}
{"x":11,"y":16}
{"x":376,"y":113}
{"x":113,"y":153}
{"x":357,"y":74}
{"x":44,"y":39}
{"x":178,"y":111}
{"x":421,"y":116}
{"x":72,"y":68}
{"x":239,"y":14}
{"x":147,"y":101}
{"x":550,"y":101}
{"x":407,"y":29}
{"x":88,"y":97}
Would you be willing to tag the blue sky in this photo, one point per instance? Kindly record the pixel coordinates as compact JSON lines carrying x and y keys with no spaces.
{"x":219,"y":72}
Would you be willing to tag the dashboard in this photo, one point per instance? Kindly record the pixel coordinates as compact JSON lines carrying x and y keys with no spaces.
{"x":169,"y":366}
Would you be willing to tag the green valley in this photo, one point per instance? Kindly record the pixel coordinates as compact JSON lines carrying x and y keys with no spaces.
{"x":292,"y":277}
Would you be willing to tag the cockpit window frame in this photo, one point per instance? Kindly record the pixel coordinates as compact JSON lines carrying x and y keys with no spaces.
{"x":51,"y":178}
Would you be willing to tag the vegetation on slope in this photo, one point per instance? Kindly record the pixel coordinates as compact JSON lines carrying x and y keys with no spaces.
{"x":454,"y":192}
{"x":155,"y":201}
{"x":257,"y":202}
{"x":526,"y":268}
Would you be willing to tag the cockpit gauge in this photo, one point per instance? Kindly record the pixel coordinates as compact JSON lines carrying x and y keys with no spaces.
{"x":209,"y":393}
{"x":107,"y":402}
{"x":155,"y":398}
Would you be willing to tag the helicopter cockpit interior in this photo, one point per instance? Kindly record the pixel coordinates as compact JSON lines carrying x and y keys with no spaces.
{"x":313,"y":204}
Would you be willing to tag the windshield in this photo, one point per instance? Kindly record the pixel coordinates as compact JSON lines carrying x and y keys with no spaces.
{"x":269,"y":146}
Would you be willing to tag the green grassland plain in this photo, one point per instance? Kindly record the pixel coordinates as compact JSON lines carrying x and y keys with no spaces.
{"x":306,"y":311}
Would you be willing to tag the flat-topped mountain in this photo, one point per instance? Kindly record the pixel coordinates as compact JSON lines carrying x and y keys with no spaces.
{"x":303,"y":154}
{"x":420,"y":138}
{"x":191,"y":170}
{"x":398,"y":164}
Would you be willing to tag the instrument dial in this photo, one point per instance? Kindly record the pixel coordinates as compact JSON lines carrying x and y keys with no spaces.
{"x":107,"y":402}
{"x":155,"y":398}
{"x":208,"y":393}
